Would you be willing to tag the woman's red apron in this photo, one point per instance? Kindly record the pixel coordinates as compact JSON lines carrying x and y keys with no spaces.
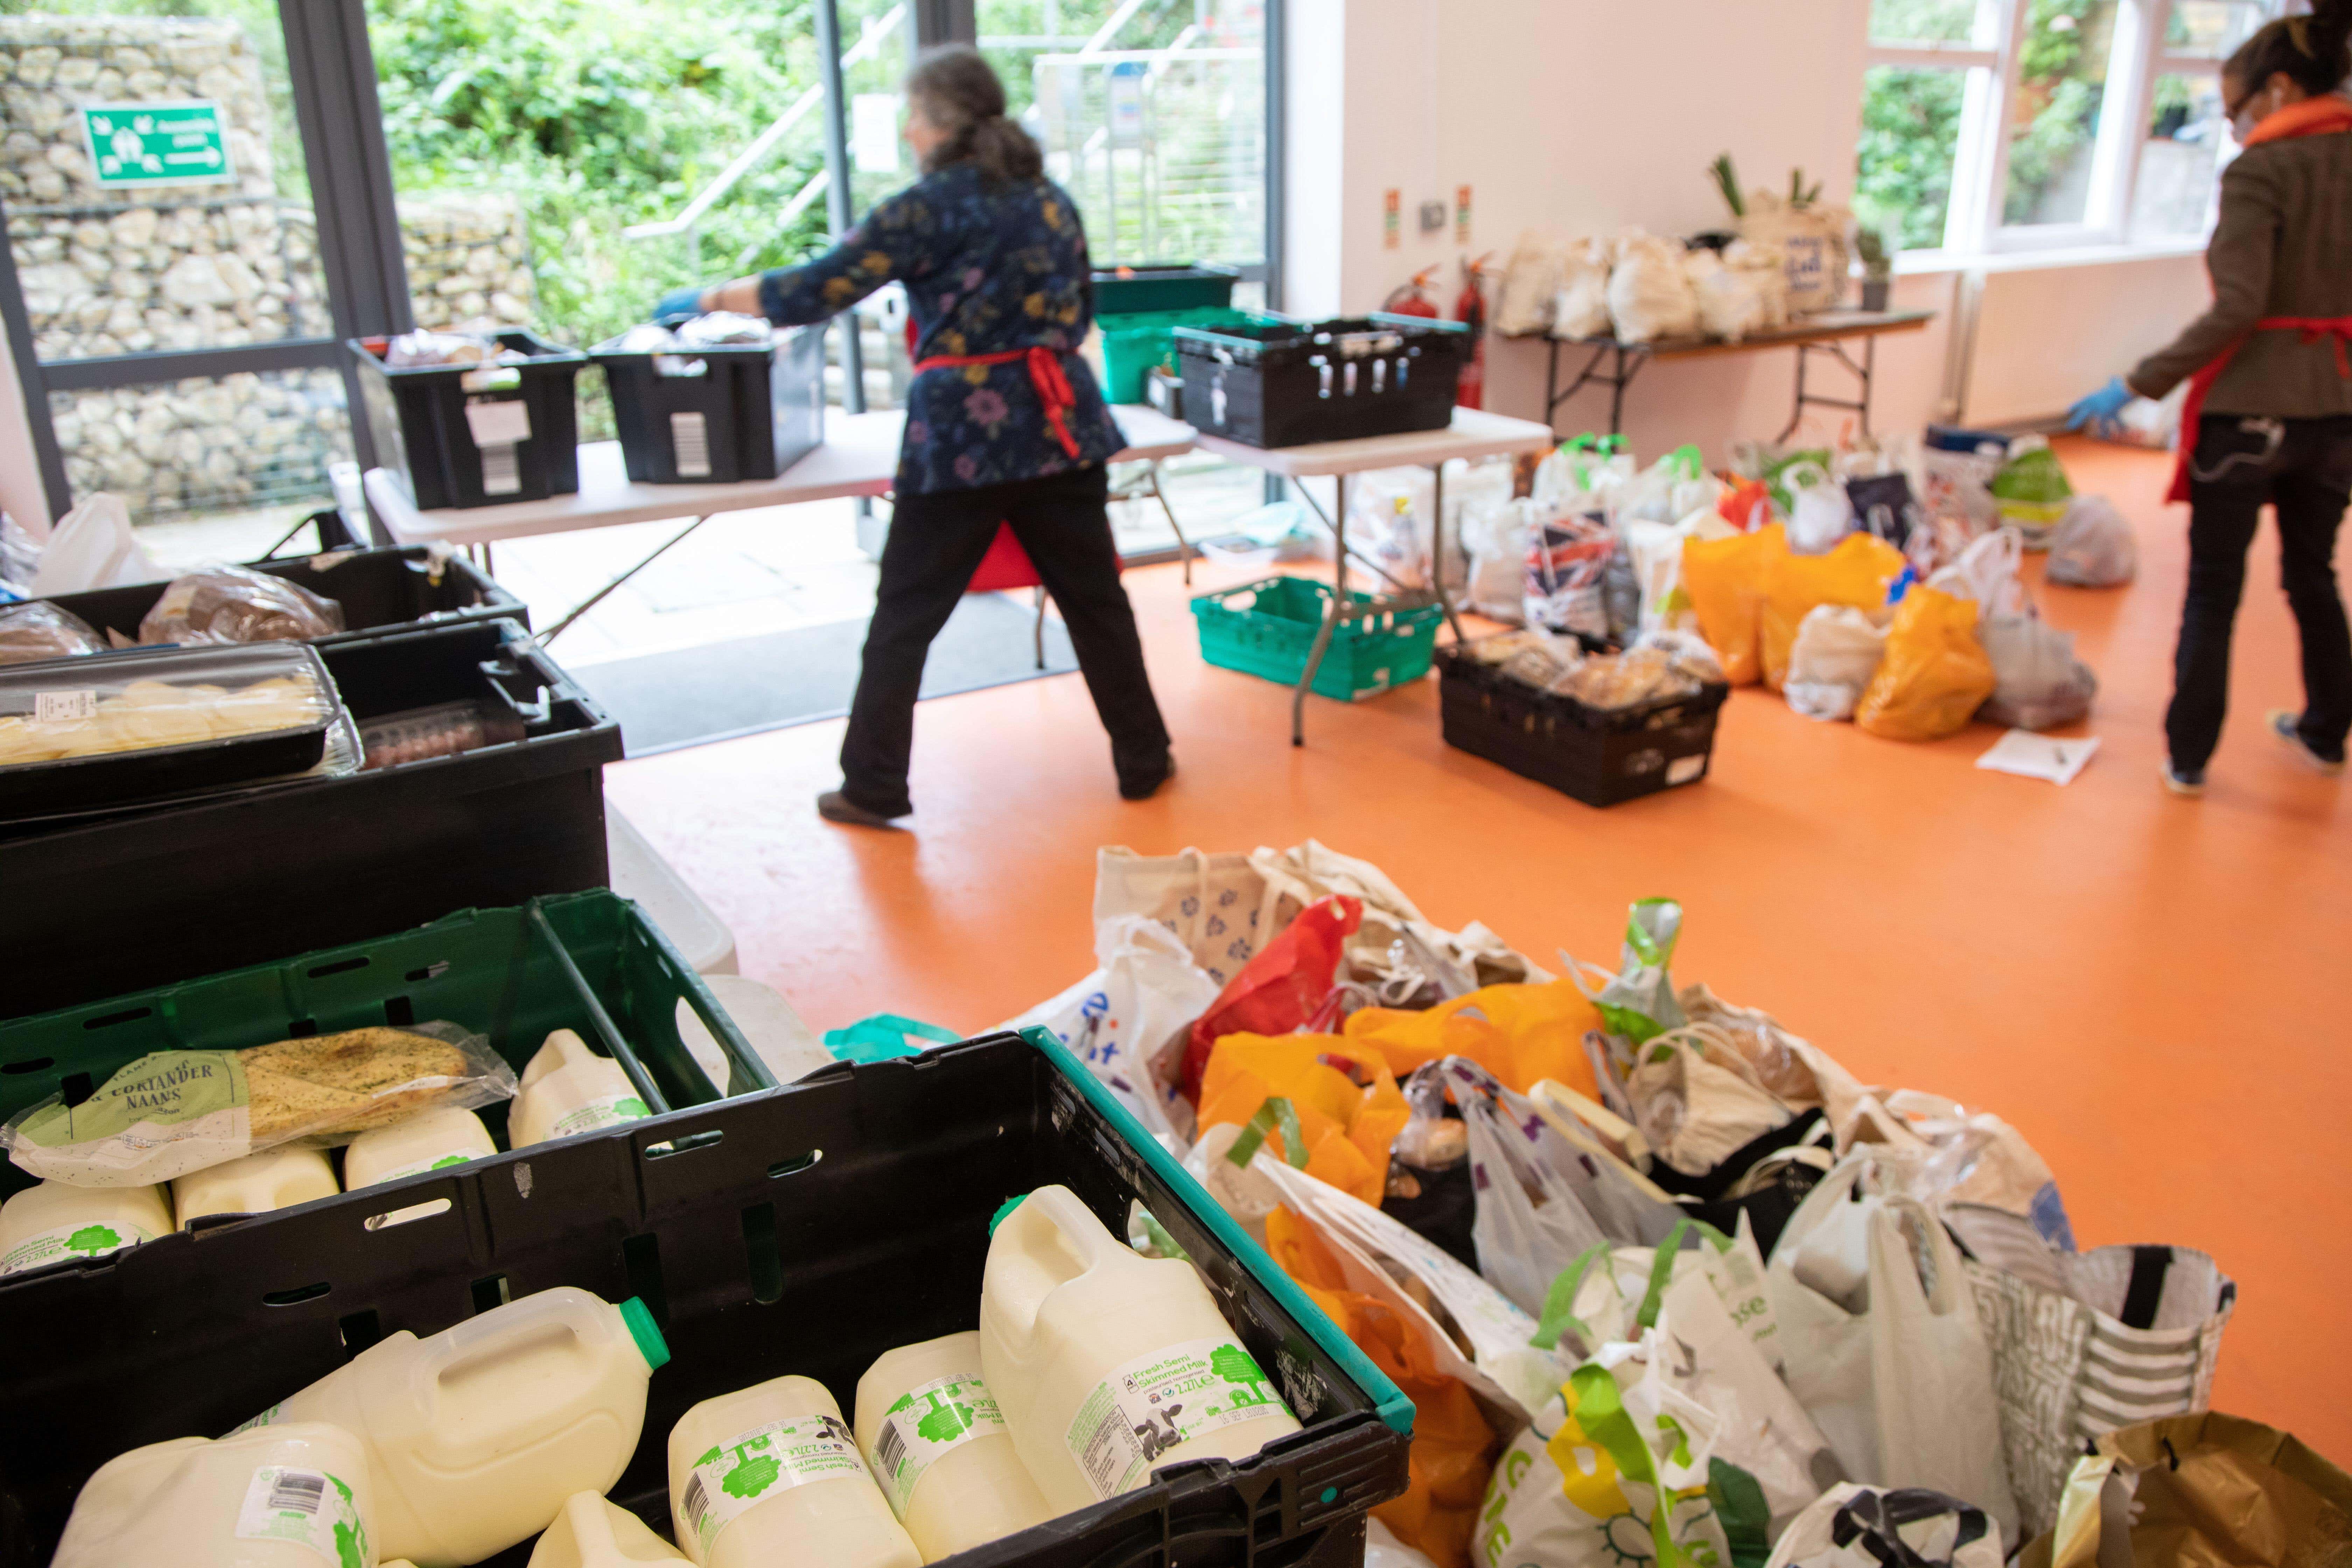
{"x":2313,"y":117}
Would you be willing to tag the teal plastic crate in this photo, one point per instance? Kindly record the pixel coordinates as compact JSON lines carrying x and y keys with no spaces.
{"x":1166,"y":286}
{"x":1268,"y":629}
{"x":1133,"y":344}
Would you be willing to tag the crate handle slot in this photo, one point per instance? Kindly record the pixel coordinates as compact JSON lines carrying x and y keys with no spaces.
{"x":340,"y":966}
{"x":760,"y":1252}
{"x":490,"y":1293}
{"x":30,"y":1064}
{"x":297,"y":1296}
{"x":433,"y":971}
{"x":425,"y":1210}
{"x":794,"y":1165}
{"x":107,"y":1020}
{"x":687,"y":1144}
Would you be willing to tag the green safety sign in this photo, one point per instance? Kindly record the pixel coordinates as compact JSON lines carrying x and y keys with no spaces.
{"x":157,"y":143}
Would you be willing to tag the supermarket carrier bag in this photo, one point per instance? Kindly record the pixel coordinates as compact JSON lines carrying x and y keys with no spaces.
{"x":1852,"y":1526}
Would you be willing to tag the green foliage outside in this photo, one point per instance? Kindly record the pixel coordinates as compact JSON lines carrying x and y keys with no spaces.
{"x":1910,"y":123}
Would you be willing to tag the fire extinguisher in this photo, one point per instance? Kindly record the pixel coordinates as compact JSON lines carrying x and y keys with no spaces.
{"x":1472,"y":310}
{"x":1410,"y":300}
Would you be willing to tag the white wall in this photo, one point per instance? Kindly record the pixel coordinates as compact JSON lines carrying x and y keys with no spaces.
{"x":2046,"y":336}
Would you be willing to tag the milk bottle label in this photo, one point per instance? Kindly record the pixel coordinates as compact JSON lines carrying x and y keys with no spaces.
{"x":93,"y":1239}
{"x":752,"y":1467}
{"x":923,"y":1426}
{"x":1156,"y":1402}
{"x":606,"y":1111}
{"x":309,"y":1508}
{"x":418,"y":1167}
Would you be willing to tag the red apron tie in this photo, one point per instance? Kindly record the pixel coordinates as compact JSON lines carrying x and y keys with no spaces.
{"x":1044,"y":374}
{"x":2336,"y":330}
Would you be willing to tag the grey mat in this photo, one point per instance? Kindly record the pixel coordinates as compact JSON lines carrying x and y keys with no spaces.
{"x":666,"y":700}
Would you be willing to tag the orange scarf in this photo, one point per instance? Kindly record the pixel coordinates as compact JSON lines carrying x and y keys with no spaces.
{"x":2311,"y":117}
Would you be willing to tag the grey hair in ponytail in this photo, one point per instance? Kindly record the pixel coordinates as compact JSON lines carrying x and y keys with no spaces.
{"x":957,"y":92}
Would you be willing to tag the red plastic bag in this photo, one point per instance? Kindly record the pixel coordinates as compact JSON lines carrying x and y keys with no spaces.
{"x":1281,"y":989}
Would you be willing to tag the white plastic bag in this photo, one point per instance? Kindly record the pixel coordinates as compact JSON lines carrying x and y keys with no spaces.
{"x":2042,"y":686}
{"x":1941,"y":1153}
{"x":1523,"y":303}
{"x":1730,"y":305}
{"x":1649,"y":297}
{"x":1767,"y":275}
{"x":1852,"y":1526}
{"x":1496,"y":536}
{"x":1580,"y":309}
{"x":92,"y":547}
{"x":1837,"y":650}
{"x":1986,"y":572}
{"x":1698,"y":1100}
{"x":2093,"y":547}
{"x":1820,"y":512}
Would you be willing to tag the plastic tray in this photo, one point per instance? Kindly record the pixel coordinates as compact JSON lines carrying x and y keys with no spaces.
{"x":1268,"y":628}
{"x":379,"y":590}
{"x":70,"y":784}
{"x":807,"y":1230}
{"x":1287,"y":383}
{"x":748,"y":412}
{"x":423,"y":433}
{"x":1600,"y":757}
{"x":167,"y":893}
{"x":1133,"y":344}
{"x":1180,"y":286}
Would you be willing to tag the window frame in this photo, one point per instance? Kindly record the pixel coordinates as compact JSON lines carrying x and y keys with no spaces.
{"x":1992,"y":61}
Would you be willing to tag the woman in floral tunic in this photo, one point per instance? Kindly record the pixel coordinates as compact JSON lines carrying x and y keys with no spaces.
{"x":1005,"y":421}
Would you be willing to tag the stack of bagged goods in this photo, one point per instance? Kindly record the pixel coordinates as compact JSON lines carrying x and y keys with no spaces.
{"x":238,"y":604}
{"x":1662,"y":1280}
{"x":418,"y":350}
{"x":713,"y":330}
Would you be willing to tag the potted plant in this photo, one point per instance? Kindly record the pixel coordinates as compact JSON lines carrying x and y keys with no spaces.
{"x":1870,"y":248}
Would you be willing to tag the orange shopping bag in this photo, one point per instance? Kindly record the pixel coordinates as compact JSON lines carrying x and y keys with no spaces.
{"x":1519,"y":1032}
{"x":1726,"y":580}
{"x":1856,"y":573}
{"x":1935,"y":675}
{"x":1345,"y":1127}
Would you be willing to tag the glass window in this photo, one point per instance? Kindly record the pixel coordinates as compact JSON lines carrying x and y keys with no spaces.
{"x":1900,"y":22}
{"x":2053,"y":115}
{"x":2211,"y":29}
{"x":1910,"y":139}
{"x":2188,"y":142}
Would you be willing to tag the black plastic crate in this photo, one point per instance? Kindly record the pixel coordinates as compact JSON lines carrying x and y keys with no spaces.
{"x":1165,"y":286}
{"x":1599,"y":757}
{"x":717,"y":416}
{"x":378,"y":589}
{"x":424,"y":435}
{"x":98,"y":906}
{"x":1287,"y":383}
{"x":803,"y":1230}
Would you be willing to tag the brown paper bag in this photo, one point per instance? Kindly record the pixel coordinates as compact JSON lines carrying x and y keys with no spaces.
{"x":2208,"y":1490}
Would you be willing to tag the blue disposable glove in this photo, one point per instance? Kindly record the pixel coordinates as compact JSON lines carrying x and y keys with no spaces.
{"x":2100,"y":411}
{"x":685,"y":301}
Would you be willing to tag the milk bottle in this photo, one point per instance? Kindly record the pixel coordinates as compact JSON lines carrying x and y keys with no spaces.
{"x":444,"y":1135}
{"x":277,"y":1179}
{"x":594,"y":1533}
{"x":770,"y":1476}
{"x":44,"y":1223}
{"x":477,"y":1435}
{"x":280,"y":1497}
{"x":567,"y":1088}
{"x":939,"y":1449}
{"x":1107,"y":1365}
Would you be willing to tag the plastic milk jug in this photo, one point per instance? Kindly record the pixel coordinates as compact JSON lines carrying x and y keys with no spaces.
{"x":444,"y":1135}
{"x":1107,"y":1364}
{"x":567,"y":1088}
{"x":770,"y":1476}
{"x":939,"y":1446}
{"x":43,"y":1224}
{"x":280,"y":1497}
{"x":594,"y":1533}
{"x":477,"y":1435}
{"x":275,"y":1179}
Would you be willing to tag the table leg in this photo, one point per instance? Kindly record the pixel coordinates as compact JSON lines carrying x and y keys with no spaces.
{"x":1797,"y":409}
{"x":598,"y":597}
{"x":1869,"y":365}
{"x":1437,"y":555}
{"x":1331,"y":620}
{"x":489,"y":566}
{"x":1184,"y":546}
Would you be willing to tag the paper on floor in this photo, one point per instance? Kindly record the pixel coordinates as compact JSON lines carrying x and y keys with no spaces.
{"x":2031,"y":757}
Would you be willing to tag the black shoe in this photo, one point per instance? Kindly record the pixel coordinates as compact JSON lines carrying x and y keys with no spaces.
{"x":2189,"y":782}
{"x":1144,"y":785}
{"x":835,"y":806}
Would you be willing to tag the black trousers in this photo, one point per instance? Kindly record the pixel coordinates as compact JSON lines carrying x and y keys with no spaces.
{"x":2303,"y":468}
{"x":936,"y":542}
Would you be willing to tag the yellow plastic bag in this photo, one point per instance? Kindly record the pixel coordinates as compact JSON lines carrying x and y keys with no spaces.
{"x":1519,"y":1032}
{"x":1935,"y":675}
{"x":1452,"y":1452}
{"x":1726,"y":580}
{"x":1345,"y":1126}
{"x":1856,"y":573}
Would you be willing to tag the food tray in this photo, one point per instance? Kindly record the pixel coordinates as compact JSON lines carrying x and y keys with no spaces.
{"x":1287,"y":383}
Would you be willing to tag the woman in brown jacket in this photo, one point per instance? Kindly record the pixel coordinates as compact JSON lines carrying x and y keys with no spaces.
{"x":2269,"y":412}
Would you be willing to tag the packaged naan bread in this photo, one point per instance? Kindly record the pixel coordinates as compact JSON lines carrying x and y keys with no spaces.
{"x":171,"y":1113}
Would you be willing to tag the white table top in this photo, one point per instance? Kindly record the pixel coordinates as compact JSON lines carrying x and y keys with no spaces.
{"x":1475,"y":433}
{"x":859,"y":457}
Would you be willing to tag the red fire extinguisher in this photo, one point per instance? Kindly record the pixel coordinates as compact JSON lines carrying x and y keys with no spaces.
{"x":1410,"y":300}
{"x":1472,"y":310}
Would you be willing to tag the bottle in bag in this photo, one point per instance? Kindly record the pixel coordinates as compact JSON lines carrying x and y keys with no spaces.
{"x":769,"y":1478}
{"x":274,"y":1179}
{"x":567,"y":1088}
{"x":939,"y":1449}
{"x":280,"y":1497}
{"x":477,"y":1435}
{"x":52,"y":1221}
{"x":592,"y":1533}
{"x":1108,"y":1365}
{"x":442,"y":1135}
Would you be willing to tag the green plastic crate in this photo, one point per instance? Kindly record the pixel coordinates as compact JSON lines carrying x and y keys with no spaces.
{"x":1268,"y":628}
{"x":1133,"y":344}
{"x":591,"y":963}
{"x":1163,"y":286}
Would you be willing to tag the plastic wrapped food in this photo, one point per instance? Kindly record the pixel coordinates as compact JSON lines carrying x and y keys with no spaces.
{"x":411,"y":350}
{"x":170,"y":1113}
{"x":720,"y":329}
{"x":1629,"y":680}
{"x":443,"y":731}
{"x":142,"y":715}
{"x":32,"y":632}
{"x":238,"y":604}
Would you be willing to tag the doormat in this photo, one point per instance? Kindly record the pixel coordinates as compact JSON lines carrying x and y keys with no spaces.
{"x":666,"y":700}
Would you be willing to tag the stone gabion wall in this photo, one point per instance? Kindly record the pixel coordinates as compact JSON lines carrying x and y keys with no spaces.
{"x":469,"y":263}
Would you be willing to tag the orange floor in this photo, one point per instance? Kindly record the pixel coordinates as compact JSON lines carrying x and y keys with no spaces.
{"x":2154,"y":990}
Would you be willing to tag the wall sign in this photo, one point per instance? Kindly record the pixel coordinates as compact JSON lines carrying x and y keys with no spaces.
{"x":135,"y":144}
